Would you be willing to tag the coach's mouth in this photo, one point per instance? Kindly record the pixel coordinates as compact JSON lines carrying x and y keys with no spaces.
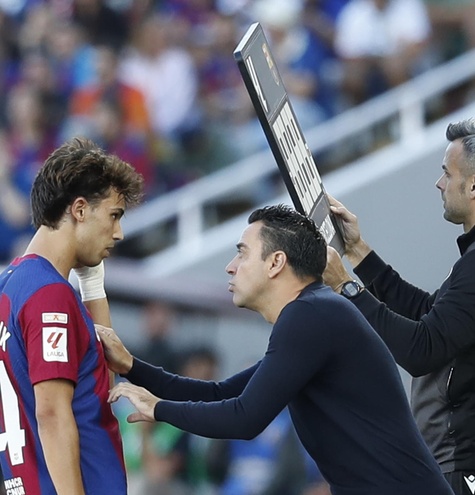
{"x":109,"y":249}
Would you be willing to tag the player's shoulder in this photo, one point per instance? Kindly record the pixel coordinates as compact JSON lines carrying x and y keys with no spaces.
{"x":29,"y":274}
{"x":33,"y":269}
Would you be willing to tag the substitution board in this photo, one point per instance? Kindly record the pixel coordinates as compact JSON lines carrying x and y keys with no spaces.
{"x":284,"y":134}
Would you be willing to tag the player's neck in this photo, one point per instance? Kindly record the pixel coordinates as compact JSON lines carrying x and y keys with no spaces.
{"x":54,"y":246}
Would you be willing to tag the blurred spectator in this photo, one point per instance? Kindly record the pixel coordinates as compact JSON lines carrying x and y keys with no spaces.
{"x":109,"y":85}
{"x":108,"y":129}
{"x":34,"y":26}
{"x":158,"y":348}
{"x":229,"y":112}
{"x":71,"y":57}
{"x":132,"y":440}
{"x":137,"y":11}
{"x":174,"y":460}
{"x":166,"y":75}
{"x":196,"y":13}
{"x":114,"y":115}
{"x":158,"y":320}
{"x":250,"y":465}
{"x":298,"y":55}
{"x":38,"y":74}
{"x":221,"y":87}
{"x":319,"y":17}
{"x":37,"y":67}
{"x":382,"y":43}
{"x":239,"y":8}
{"x":453,"y":23}
{"x":15,"y":229}
{"x":30,"y":134}
{"x":209,"y":145}
{"x":304,"y":59}
{"x":102,"y":24}
{"x":190,"y":18}
{"x":25,"y":143}
{"x":9,"y":60}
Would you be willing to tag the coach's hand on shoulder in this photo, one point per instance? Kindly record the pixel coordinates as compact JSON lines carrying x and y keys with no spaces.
{"x":140,"y":398}
{"x":118,"y":357}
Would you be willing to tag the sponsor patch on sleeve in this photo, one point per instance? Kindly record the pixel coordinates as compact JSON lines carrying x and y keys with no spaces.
{"x":54,"y":318}
{"x":55,"y":344}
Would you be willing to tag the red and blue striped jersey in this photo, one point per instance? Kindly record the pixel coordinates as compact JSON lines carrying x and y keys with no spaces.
{"x":46,"y":333}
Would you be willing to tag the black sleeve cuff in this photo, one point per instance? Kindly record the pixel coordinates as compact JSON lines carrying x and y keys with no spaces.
{"x":370,"y":268}
{"x":137,"y":372}
{"x":155,"y":411}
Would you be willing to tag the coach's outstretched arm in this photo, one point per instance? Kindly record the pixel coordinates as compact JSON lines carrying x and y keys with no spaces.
{"x":164,"y":384}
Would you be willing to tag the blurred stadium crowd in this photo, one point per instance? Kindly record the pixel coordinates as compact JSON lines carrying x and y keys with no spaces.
{"x":155,"y":82}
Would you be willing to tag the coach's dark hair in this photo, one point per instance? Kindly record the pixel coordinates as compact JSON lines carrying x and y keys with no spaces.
{"x":464,"y":130}
{"x":80,"y":168}
{"x":286,"y":229}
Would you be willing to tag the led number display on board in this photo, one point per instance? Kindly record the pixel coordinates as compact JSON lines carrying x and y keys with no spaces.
{"x":283,"y":132}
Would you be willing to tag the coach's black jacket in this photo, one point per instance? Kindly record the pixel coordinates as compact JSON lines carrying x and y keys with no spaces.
{"x":432,"y":336}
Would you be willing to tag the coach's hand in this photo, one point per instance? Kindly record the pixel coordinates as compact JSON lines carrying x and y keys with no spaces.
{"x":118,"y":357}
{"x":335,"y":274}
{"x":140,"y":398}
{"x":356,"y":248}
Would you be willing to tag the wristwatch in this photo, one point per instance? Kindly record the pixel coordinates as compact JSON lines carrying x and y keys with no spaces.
{"x":351,"y":289}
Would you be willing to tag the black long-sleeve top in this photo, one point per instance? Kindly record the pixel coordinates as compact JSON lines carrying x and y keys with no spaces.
{"x":432,"y":336}
{"x":344,"y":394}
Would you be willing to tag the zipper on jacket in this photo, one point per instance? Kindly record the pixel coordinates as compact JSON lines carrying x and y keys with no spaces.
{"x":449,"y":418}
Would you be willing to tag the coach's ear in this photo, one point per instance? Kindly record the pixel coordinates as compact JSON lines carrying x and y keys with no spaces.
{"x":472,"y":187}
{"x":277,"y":262}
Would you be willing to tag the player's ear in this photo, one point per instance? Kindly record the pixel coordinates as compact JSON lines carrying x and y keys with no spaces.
{"x":78,"y":208}
{"x":278,"y":261}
